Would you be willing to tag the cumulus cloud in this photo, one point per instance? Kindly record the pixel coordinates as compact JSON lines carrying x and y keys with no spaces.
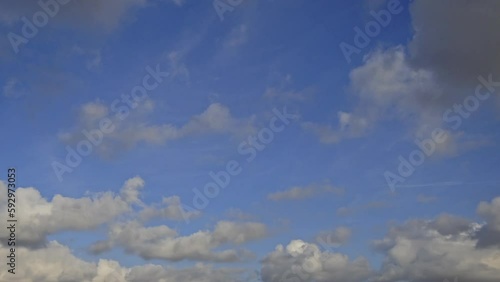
{"x":40,"y":217}
{"x":170,"y":208}
{"x":489,"y":234}
{"x":56,"y":262}
{"x":131,"y":189}
{"x":302,"y":261}
{"x":162,"y":242}
{"x":418,"y":250}
{"x":386,"y":88}
{"x":133,"y":130}
{"x":432,"y":250}
{"x":299,"y":193}
{"x":416,"y":83}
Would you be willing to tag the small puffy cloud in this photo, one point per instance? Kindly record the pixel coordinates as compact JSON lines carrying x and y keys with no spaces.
{"x":131,"y":189}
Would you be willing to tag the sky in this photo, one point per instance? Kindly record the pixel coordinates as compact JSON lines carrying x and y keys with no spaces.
{"x":238,"y":140}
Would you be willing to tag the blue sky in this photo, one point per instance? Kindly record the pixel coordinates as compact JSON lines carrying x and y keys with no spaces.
{"x":336,"y":184}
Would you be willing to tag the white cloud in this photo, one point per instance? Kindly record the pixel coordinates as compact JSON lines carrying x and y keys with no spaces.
{"x":386,"y":87}
{"x":41,"y":217}
{"x":171,"y":208}
{"x":130,"y":190}
{"x":489,"y":234}
{"x":304,"y":261}
{"x":162,"y":242}
{"x":427,"y":251}
{"x":130,"y":132}
{"x":56,"y":262}
{"x":491,"y":212}
{"x":416,"y":83}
